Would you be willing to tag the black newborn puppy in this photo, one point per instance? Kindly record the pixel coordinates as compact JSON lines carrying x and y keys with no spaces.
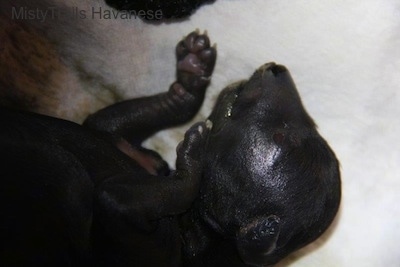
{"x":252,"y":184}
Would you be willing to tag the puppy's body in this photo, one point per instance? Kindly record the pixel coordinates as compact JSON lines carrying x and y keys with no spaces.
{"x":103,"y":207}
{"x":52,"y":171}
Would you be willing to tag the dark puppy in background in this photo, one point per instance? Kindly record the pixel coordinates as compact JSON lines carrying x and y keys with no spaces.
{"x":252,"y":184}
{"x":170,"y":9}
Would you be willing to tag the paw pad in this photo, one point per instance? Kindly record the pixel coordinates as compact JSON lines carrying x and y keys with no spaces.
{"x":195,"y":56}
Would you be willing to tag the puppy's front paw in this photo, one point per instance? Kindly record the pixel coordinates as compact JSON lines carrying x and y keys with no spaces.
{"x":191,"y":149}
{"x":196,"y":61}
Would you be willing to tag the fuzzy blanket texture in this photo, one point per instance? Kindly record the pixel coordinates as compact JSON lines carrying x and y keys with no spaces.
{"x":343,"y":55}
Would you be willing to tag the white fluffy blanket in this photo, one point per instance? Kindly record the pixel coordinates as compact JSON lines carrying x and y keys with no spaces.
{"x":345,"y":59}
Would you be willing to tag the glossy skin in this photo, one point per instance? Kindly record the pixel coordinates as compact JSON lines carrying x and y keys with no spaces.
{"x":252,"y":184}
{"x":271,"y":183}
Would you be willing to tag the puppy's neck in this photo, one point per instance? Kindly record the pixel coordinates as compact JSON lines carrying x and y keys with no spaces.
{"x":194,"y":234}
{"x":201,"y":246}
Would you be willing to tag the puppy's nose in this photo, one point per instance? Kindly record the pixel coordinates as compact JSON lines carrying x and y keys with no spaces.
{"x":273,"y":67}
{"x":278,"y":69}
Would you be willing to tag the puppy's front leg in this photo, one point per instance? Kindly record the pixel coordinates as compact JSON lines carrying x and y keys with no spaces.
{"x":128,"y":123}
{"x":141,"y":201}
{"x":136,"y":119}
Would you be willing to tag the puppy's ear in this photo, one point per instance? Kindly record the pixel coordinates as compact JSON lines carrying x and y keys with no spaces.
{"x":257,"y":239}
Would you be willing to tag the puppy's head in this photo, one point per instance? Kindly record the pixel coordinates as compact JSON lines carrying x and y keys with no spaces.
{"x":271,"y":182}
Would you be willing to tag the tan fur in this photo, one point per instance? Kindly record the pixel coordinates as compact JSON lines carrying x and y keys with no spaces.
{"x":27,"y":62}
{"x":34,"y":78}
